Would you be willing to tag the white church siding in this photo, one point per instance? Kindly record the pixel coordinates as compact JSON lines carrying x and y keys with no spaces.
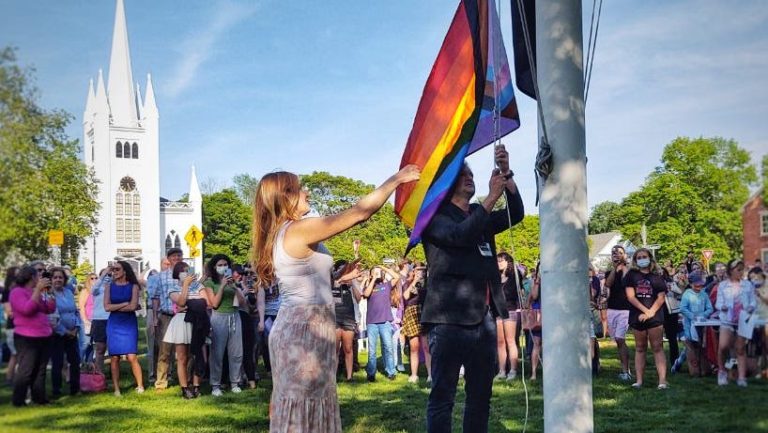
{"x":116,"y":114}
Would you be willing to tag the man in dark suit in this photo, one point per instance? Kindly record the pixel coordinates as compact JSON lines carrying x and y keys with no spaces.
{"x":464,"y":295}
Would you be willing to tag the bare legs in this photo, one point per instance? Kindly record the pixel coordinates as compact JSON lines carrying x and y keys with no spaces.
{"x":416,"y":344}
{"x":135,"y":369}
{"x":345,"y":340}
{"x":655,"y":336}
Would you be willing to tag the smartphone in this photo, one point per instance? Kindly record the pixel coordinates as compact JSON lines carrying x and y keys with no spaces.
{"x":191,"y":270}
{"x":228,"y":274}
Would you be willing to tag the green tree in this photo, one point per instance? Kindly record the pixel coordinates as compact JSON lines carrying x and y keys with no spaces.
{"x":245,"y":186}
{"x":602,"y":218}
{"x":382,"y":236}
{"x":226,"y":225}
{"x":524,"y":241}
{"x":43,"y":183}
{"x":692,"y":200}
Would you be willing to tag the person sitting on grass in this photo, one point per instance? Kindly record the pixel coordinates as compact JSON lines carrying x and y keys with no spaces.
{"x":645,"y":292}
{"x":695,"y":306}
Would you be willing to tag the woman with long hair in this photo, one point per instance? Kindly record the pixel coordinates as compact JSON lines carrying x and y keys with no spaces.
{"x":85,"y":308}
{"x":417,"y":338}
{"x":506,"y":330}
{"x":121,"y":300}
{"x":188,"y":328}
{"x":345,"y":296}
{"x":288,"y":250}
{"x":646,"y":290}
{"x":65,"y":332}
{"x":734,"y":295}
{"x":226,"y":327}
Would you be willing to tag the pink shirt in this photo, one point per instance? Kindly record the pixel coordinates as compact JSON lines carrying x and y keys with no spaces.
{"x":29,"y":317}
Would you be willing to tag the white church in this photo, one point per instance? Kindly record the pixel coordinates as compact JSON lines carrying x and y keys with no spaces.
{"x":121,"y":136}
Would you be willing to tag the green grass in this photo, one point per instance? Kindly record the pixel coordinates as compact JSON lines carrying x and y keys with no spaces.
{"x":690,"y":405}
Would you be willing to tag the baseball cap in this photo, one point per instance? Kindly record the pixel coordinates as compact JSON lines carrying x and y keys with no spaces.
{"x":696,"y":278}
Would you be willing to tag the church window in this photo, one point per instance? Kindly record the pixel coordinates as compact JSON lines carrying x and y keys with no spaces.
{"x":119,"y":150}
{"x":177,"y":242}
{"x":127,"y":150}
{"x":128,"y":206}
{"x":135,"y":148}
{"x":136,"y":205}
{"x":136,"y":230}
{"x":119,"y":230}
{"x":168,"y":242}
{"x":119,"y":203}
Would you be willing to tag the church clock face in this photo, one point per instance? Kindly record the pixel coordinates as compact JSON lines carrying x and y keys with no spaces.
{"x":127,"y":184}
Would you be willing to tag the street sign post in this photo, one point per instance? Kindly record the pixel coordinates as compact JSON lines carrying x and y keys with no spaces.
{"x":193,"y":237}
{"x":707,"y":257}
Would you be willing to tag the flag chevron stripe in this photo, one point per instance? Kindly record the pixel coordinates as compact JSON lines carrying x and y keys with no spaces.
{"x":455,"y":116}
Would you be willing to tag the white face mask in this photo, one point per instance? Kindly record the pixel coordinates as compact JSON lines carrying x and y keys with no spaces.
{"x":221,"y":270}
{"x":643,"y":263}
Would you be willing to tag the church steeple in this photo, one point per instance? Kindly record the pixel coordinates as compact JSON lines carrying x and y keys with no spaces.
{"x":102,"y":104}
{"x":150,"y":107}
{"x":90,"y":103}
{"x":122,"y":99}
{"x":194,"y":188}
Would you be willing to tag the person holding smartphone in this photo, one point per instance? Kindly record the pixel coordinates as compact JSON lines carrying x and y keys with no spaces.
{"x":226,"y":328}
{"x":618,"y":307}
{"x":31,"y":302}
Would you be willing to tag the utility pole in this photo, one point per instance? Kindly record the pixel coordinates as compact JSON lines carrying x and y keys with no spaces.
{"x":563,"y":216}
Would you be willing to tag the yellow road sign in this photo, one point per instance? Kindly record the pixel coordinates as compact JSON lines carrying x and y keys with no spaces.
{"x":193,"y":237}
{"x":55,"y":238}
{"x":194,"y":252}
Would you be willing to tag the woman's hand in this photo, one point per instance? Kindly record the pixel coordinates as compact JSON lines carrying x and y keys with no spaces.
{"x":409,"y":173}
{"x":189,"y":280}
{"x":643,"y":317}
{"x":43,"y":284}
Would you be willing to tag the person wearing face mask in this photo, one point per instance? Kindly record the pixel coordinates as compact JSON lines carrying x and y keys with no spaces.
{"x":734,"y":295}
{"x":65,"y":334}
{"x":695,"y":306}
{"x":757,"y":277}
{"x":226,"y":327}
{"x":645,"y":292}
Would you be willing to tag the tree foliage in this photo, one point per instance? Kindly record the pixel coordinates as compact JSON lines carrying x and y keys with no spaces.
{"x":245,"y":186}
{"x":524,"y":243}
{"x":226,"y":225}
{"x":383,"y":236}
{"x":691,"y":201}
{"x":602,"y":218}
{"x":43,"y":183}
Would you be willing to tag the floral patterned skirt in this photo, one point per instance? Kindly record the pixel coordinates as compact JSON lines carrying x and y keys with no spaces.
{"x":302,"y":349}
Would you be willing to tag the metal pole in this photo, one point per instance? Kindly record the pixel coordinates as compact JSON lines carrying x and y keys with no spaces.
{"x":563,"y":216}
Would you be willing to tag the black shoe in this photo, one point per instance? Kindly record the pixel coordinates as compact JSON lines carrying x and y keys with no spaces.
{"x":391,"y":377}
{"x":196,"y":391}
{"x":187,"y":393}
{"x":372,"y":378}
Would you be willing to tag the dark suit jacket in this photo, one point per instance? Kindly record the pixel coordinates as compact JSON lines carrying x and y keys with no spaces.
{"x":458,"y":274}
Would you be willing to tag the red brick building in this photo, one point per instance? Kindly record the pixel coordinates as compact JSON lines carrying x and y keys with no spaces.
{"x":754,"y":216}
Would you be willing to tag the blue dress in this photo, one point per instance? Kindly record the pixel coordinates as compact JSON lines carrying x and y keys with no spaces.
{"x":122,"y":327}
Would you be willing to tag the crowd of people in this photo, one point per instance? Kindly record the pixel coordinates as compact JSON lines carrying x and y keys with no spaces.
{"x":468,"y":311}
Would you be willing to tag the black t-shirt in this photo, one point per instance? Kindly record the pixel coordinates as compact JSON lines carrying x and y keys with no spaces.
{"x":6,"y":297}
{"x":647,"y":288}
{"x":342,"y":298}
{"x":617,"y":298}
{"x":509,"y":288}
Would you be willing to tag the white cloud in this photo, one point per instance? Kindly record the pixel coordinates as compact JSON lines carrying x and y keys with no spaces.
{"x":199,"y":46}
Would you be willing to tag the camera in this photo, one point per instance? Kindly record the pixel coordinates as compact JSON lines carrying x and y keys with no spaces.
{"x":46,"y":274}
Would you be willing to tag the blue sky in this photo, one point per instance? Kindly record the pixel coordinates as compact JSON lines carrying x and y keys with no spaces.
{"x":250,"y":87}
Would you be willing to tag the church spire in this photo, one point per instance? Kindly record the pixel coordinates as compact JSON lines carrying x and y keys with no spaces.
{"x":90,"y":103}
{"x":194,"y":189}
{"x":150,"y":107}
{"x":120,"y":87}
{"x":139,"y":104}
{"x":102,"y":104}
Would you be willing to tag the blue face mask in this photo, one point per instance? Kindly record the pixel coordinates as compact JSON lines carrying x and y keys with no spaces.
{"x":643,"y":263}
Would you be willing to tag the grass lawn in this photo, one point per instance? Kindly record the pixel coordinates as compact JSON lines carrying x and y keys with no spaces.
{"x":690,"y":405}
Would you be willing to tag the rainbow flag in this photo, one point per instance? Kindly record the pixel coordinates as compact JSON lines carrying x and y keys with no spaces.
{"x":469,"y":82}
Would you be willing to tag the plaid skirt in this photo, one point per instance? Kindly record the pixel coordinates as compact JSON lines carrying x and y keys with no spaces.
{"x":412,"y":321}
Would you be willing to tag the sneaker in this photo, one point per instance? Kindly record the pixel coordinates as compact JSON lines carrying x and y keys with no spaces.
{"x":637,"y":385}
{"x":512,"y":375}
{"x":187,"y":393}
{"x":217,"y":392}
{"x":500,"y":376}
{"x":252,"y":384}
{"x":722,"y":378}
{"x":236,"y":389}
{"x":391,"y":377}
{"x":625,"y":376}
{"x":117,"y":393}
{"x":196,"y":391}
{"x":401,"y":368}
{"x":413,"y":379}
{"x":139,"y":390}
{"x":662,"y":386}
{"x":742,"y":383}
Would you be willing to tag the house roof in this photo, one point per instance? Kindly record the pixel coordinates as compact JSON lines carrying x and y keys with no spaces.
{"x":757,"y":193}
{"x":600,"y":241}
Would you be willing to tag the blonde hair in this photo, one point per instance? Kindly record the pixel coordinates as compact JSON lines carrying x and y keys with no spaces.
{"x":276,"y":201}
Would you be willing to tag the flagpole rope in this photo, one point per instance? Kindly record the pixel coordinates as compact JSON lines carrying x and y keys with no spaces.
{"x":497,"y":140}
{"x":591,"y":48}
